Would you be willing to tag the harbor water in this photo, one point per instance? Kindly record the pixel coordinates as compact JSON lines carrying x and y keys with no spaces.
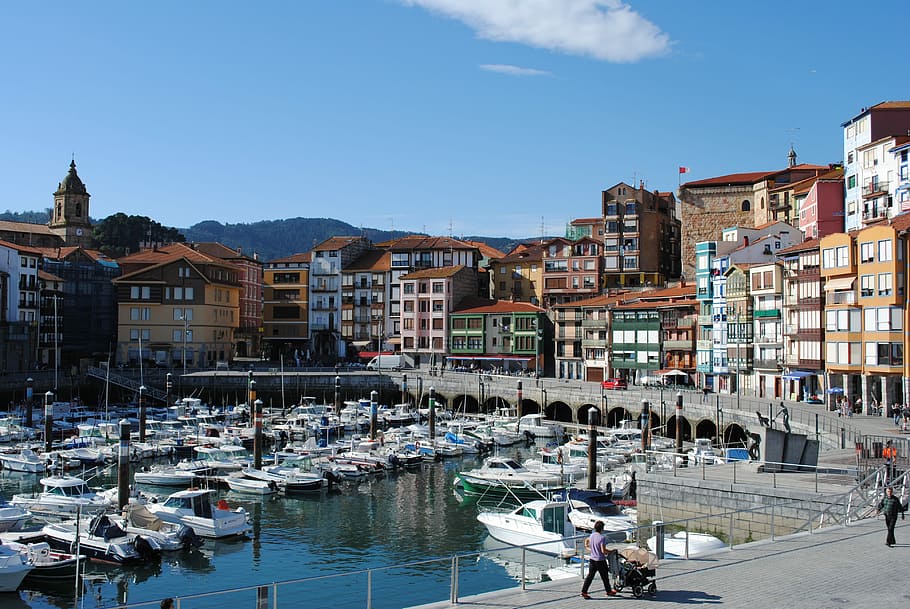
{"x":403,"y":516}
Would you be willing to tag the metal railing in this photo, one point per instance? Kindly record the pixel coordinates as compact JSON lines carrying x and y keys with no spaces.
{"x":469,"y":573}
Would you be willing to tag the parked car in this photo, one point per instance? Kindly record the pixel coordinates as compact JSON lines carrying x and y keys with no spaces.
{"x":614,"y":384}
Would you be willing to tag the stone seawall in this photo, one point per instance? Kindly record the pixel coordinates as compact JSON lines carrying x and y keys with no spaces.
{"x":751,"y":512}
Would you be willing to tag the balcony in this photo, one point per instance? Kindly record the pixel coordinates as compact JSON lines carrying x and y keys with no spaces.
{"x":767,"y":364}
{"x":875,"y":187}
{"x":757,"y":313}
{"x":875,"y":213}
{"x":593,"y":343}
{"x":677,"y":345}
{"x":767,"y":340}
{"x":704,"y":345}
{"x":594,"y":323}
{"x":705,"y":320}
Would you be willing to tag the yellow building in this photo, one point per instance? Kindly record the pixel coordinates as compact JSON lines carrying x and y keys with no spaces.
{"x":177,"y":307}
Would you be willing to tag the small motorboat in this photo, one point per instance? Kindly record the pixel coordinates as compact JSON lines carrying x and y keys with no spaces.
{"x":63,"y":495}
{"x":13,"y":568}
{"x":100,"y":539}
{"x":193,"y":507}
{"x":12,"y":517}
{"x":540,"y":525}
{"x":686,"y":545}
{"x":167,"y":475}
{"x":162,"y":536}
{"x":49,"y":564}
{"x":239,"y":483}
{"x":26,"y":460}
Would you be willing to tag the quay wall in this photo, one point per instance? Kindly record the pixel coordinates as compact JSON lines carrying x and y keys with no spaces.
{"x":718,"y":507}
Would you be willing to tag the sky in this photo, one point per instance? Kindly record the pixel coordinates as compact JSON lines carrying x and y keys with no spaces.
{"x":501,"y":118}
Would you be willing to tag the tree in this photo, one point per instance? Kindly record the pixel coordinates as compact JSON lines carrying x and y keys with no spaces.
{"x":119,"y":235}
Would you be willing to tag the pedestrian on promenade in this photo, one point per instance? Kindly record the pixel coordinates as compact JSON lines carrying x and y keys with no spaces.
{"x":890,"y":506}
{"x":704,"y":394}
{"x":889,"y":454}
{"x":596,"y":546}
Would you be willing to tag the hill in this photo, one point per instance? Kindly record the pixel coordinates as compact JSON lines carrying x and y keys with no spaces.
{"x":272,"y":239}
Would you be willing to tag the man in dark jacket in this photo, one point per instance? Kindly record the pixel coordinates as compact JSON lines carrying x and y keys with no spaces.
{"x":890,"y":506}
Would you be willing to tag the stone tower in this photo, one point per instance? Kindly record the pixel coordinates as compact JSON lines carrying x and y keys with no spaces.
{"x":70,"y":217}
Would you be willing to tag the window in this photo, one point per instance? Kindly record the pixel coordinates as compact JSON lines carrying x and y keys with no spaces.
{"x":885,"y":287}
{"x":867,"y":286}
{"x":439,"y":287}
{"x":842,"y":256}
{"x":438,"y":323}
{"x":437,"y":306}
{"x":408,"y":306}
{"x":884,"y":251}
{"x":851,"y":181}
{"x":180,"y":314}
{"x":745,"y":206}
{"x":408,"y":288}
{"x":867,"y":251}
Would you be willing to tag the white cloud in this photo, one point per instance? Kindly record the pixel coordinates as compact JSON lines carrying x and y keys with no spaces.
{"x":513,"y":70}
{"x":608,"y":30}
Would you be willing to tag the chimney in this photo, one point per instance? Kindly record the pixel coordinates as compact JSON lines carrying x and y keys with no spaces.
{"x":745,"y":241}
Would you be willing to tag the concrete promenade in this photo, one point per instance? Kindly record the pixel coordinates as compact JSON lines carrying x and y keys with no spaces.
{"x":830,"y":568}
{"x":838,"y":567}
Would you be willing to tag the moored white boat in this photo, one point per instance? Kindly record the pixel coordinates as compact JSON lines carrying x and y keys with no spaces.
{"x":12,"y":517}
{"x":540,"y":525}
{"x":684,"y":544}
{"x":194,"y":508}
{"x":13,"y":568}
{"x":239,"y":483}
{"x":100,"y":539}
{"x":502,"y":475}
{"x":63,"y":495}
{"x":26,"y":460}
{"x":166,"y":475}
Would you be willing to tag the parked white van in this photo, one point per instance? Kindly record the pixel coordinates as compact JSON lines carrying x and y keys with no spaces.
{"x":395,"y":361}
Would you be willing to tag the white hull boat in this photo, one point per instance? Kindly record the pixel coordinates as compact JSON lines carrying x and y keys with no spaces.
{"x":165,"y":476}
{"x":540,"y":525}
{"x":101,"y":540}
{"x":683,"y":544}
{"x":63,"y":495}
{"x":241,"y":484}
{"x":12,"y":517}
{"x":25,"y":460}
{"x":194,"y":509}
{"x":13,"y":569}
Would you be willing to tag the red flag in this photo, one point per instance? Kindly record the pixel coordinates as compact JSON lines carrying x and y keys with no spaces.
{"x":683,"y":169}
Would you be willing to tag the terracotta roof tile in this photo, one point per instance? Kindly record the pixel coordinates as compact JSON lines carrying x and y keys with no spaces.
{"x":479,"y":305}
{"x":372,"y":260}
{"x":336,"y":243}
{"x":295,"y":258}
{"x":24,"y":249}
{"x":421,"y":242}
{"x":434,"y":273}
{"x":805,"y":246}
{"x":25,"y":227}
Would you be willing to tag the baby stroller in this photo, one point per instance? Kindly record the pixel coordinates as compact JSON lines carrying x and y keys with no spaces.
{"x":637,"y":568}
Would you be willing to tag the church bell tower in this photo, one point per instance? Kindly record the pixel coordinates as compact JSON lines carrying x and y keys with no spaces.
{"x":70,"y":217}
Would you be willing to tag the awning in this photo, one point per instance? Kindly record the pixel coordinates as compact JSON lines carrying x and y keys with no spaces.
{"x":361,"y":343}
{"x":839,"y":283}
{"x":673,"y":372}
{"x":372,"y":354}
{"x":795,"y":375}
{"x":498,"y":358}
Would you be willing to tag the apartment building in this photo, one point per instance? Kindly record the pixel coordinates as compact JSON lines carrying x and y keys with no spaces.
{"x":19,"y":306}
{"x":518,"y":275}
{"x":365,"y":291}
{"x":821,"y":206}
{"x":417,"y":252}
{"x":865,"y":170}
{"x":285,"y":308}
{"x":248,"y":338}
{"x":177,"y":308}
{"x":802,"y":317}
{"x":327,"y":261}
{"x":633,"y":217}
{"x":428,"y":297}
{"x":497,"y":334}
{"x":571,"y":270}
{"x":766,"y":292}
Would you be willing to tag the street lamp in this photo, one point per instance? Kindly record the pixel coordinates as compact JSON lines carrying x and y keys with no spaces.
{"x":141,"y":414}
{"x":186,"y":333}
{"x":168,"y":385}
{"x":48,"y":420}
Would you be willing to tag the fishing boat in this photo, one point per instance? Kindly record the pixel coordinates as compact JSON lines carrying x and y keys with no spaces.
{"x":193,"y":507}
{"x":505,"y":476}
{"x":539,"y":525}
{"x":63,"y":494}
{"x":26,"y":460}
{"x":13,"y":568}
{"x":100,"y":539}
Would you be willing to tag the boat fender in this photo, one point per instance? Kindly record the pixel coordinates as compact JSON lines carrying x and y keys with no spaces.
{"x":223,"y":505}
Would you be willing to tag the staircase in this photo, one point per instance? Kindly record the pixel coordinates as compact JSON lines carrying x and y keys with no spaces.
{"x":126,"y":382}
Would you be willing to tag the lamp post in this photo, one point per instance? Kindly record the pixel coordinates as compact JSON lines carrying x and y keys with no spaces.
{"x":141,"y":413}
{"x":29,"y":394}
{"x":257,"y":434}
{"x":337,"y":394}
{"x":186,"y":333}
{"x":432,"y":415}
{"x":374,"y":395}
{"x":679,"y":406}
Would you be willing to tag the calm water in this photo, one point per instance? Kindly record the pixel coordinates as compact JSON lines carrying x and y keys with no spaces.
{"x":405,"y":516}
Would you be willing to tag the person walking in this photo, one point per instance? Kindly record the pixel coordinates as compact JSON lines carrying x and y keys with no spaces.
{"x":890,"y":506}
{"x":596,"y":547}
{"x":889,"y":454}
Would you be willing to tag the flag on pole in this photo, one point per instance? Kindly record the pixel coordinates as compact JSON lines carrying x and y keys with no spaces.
{"x":683,"y":169}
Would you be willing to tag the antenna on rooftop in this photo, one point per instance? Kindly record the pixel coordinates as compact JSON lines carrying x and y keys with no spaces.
{"x":542,"y":233}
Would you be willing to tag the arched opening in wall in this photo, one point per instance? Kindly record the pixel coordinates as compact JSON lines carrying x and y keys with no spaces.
{"x":559,"y":411}
{"x":616,"y":416}
{"x":706,"y":429}
{"x":685,"y":429}
{"x":746,"y":206}
{"x":529,"y":407}
{"x":657,"y":427}
{"x":735,"y":436}
{"x":466,"y":404}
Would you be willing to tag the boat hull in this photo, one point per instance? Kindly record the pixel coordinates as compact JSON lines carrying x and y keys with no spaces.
{"x":545,"y":543}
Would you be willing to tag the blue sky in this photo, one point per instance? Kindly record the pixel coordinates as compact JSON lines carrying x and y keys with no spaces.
{"x":463,"y":117}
